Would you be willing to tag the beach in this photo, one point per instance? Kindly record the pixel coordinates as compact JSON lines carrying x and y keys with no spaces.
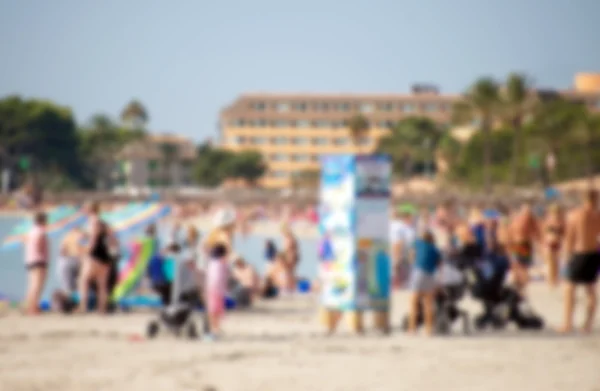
{"x":280,"y":345}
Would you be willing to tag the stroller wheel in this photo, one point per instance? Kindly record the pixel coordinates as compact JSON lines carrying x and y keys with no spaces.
{"x":191,"y":332}
{"x":152,"y":329}
{"x":442,"y":327}
{"x":480,"y":323}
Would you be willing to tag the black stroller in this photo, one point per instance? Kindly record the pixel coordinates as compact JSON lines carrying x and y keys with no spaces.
{"x":177,"y":317}
{"x":447,"y":311}
{"x":502,"y":304}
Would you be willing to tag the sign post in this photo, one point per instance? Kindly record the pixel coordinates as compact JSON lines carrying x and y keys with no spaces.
{"x":355,"y":269}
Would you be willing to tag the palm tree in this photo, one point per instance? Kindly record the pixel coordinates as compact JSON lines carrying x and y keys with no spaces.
{"x":134,"y":115}
{"x":517,"y":103}
{"x":481,"y":105}
{"x":169,"y":154}
{"x":359,"y":127}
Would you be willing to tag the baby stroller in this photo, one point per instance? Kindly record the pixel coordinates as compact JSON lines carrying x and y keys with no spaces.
{"x":502,"y":304}
{"x":447,"y":311}
{"x":177,"y":317}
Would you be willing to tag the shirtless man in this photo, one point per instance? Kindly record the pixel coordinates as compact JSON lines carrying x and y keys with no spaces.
{"x":581,"y":246}
{"x":524,"y":233}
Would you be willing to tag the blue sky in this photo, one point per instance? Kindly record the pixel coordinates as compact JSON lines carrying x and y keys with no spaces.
{"x":186,"y":59}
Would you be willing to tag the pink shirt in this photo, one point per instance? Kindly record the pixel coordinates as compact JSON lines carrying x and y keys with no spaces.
{"x":216,"y":276}
{"x":36,"y":246}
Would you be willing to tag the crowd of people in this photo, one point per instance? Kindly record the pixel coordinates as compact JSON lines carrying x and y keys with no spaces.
{"x":88,"y":264}
{"x":422,"y":242}
{"x":567,"y":241}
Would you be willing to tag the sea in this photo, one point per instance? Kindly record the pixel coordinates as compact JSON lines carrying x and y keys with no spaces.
{"x":251,"y":247}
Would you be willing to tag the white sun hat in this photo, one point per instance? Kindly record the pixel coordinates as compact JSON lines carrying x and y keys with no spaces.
{"x":224,"y":217}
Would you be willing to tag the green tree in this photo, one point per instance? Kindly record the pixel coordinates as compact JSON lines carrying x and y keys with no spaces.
{"x":101,"y":142}
{"x":517,"y":103}
{"x":481,"y":104}
{"x":134,"y":115}
{"x":358,"y":126}
{"x":247,"y":165}
{"x":42,"y":133}
{"x":411,"y":141}
{"x":211,"y":166}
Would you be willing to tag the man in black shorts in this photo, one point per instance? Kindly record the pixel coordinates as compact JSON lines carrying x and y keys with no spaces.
{"x":582,"y":241}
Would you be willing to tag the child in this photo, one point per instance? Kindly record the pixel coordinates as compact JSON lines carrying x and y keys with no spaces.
{"x":427,"y":260}
{"x":36,"y":262}
{"x":216,"y":286}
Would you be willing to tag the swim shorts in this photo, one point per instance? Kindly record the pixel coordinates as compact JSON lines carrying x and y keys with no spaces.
{"x":583,"y":268}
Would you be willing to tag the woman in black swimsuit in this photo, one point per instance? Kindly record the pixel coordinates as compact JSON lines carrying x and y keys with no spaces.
{"x":97,"y":265}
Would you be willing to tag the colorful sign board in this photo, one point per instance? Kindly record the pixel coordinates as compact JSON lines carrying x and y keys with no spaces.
{"x":354,"y":223}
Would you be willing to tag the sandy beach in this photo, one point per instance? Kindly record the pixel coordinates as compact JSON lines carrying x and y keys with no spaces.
{"x":281,"y":346}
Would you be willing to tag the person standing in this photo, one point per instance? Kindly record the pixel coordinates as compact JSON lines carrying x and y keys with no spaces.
{"x":554,"y":230}
{"x":427,"y":260}
{"x":37,"y":254}
{"x":581,"y":247}
{"x":96,"y":267}
{"x":402,"y":237}
{"x":525,"y":233}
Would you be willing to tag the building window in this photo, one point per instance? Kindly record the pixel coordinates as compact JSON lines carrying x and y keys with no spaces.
{"x":237,"y":140}
{"x":279,"y":157}
{"x":341,"y":141}
{"x":303,"y":124}
{"x":251,"y":123}
{"x":300,"y":158}
{"x":280,"y":174}
{"x":430,"y":107}
{"x":337,"y":124}
{"x":387,"y":107}
{"x":322,"y":124}
{"x":261,"y":123}
{"x":300,"y":106}
{"x":315,"y":158}
{"x":279,"y":141}
{"x":238,"y":122}
{"x":282,"y":124}
{"x":366,"y":108}
{"x":259,"y":106}
{"x":258,"y":140}
{"x":343,"y":107}
{"x":300,"y":141}
{"x":283,"y":107}
{"x":598,"y":104}
{"x":407,"y":108}
{"x":322,"y":106}
{"x":320,"y":141}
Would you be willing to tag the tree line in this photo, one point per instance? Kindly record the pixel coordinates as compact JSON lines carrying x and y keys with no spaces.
{"x":522,"y":136}
{"x":42,"y":144}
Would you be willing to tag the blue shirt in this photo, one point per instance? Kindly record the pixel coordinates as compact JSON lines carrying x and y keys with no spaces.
{"x":427,"y":256}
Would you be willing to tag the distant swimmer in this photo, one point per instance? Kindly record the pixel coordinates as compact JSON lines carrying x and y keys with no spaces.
{"x":581,"y":247}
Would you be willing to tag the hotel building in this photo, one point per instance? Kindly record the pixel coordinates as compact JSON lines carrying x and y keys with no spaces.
{"x":293,"y":130}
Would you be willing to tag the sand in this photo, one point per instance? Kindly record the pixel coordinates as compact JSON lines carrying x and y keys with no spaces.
{"x":280,"y":346}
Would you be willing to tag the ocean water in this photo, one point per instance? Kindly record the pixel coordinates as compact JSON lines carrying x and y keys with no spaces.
{"x":13,"y":274}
